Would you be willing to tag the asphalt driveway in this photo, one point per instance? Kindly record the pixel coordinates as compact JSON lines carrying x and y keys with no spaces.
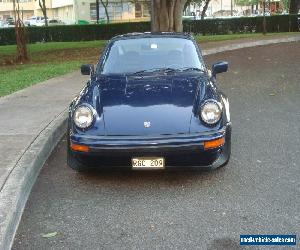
{"x":256,"y":193}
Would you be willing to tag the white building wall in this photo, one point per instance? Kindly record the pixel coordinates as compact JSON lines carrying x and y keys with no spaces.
{"x":65,"y":14}
{"x":118,"y":10}
{"x":219,"y":5}
{"x":62,"y":3}
{"x":70,"y":11}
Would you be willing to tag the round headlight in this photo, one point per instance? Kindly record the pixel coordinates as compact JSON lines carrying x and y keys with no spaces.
{"x":83,"y":116}
{"x":211,"y":112}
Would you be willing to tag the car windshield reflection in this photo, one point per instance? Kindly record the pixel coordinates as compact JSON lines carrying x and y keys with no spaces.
{"x":150,"y":55}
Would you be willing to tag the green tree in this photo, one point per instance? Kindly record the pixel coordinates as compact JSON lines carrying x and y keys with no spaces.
{"x":189,"y":2}
{"x":294,"y":6}
{"x":42,"y":4}
{"x":205,"y":6}
{"x":105,"y":5}
{"x":199,"y":3}
{"x":246,"y":2}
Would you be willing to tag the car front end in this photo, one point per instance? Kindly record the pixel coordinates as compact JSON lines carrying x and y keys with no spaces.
{"x":205,"y":150}
{"x":157,"y":119}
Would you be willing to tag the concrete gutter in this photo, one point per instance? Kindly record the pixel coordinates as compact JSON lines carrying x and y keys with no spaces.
{"x":16,"y":190}
{"x":33,"y":120}
{"x":18,"y":183}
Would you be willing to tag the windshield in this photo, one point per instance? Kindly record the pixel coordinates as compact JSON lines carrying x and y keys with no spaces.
{"x":142,"y":54}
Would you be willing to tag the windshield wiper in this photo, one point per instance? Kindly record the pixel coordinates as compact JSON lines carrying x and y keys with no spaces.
{"x":191,"y":69}
{"x":154,"y":70}
{"x":166,"y":70}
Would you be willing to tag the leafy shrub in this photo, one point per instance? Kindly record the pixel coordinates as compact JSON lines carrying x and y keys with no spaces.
{"x":276,"y":23}
{"x":65,"y":33}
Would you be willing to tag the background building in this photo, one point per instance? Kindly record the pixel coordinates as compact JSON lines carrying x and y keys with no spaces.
{"x":71,"y":11}
{"x":226,"y":8}
{"x":27,"y":8}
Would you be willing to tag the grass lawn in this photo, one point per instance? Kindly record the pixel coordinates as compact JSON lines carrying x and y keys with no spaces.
{"x":42,"y":47}
{"x":20,"y":77}
{"x":219,"y":38}
{"x":48,"y":60}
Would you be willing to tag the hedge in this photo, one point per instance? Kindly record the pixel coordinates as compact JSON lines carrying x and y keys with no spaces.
{"x":64,"y":33}
{"x":276,"y":23}
{"x":68,"y":33}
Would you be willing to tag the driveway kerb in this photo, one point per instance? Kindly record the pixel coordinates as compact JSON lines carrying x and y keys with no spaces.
{"x":17,"y":187}
{"x":250,"y":44}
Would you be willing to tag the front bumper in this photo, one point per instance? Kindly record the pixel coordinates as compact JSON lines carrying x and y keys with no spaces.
{"x":186,"y":150}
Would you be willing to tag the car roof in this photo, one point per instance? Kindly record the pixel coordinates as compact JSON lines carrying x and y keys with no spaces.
{"x":137,"y":35}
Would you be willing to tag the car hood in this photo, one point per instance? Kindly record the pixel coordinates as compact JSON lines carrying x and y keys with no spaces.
{"x":148,"y":105}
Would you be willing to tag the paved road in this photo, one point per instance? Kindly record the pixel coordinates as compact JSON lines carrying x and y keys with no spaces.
{"x":257,"y":192}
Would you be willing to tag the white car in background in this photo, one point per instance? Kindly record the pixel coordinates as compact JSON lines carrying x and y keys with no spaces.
{"x":51,"y":22}
{"x":34,"y":21}
{"x":40,"y":23}
{"x":8,"y":23}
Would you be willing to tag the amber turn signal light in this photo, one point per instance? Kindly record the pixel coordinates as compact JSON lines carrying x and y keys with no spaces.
{"x":214,"y":143}
{"x":81,"y":148}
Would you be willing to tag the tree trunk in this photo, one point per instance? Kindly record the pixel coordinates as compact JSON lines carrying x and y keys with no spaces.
{"x":97,"y":11}
{"x":22,"y":55}
{"x":264,"y":24}
{"x":167,"y":15}
{"x":206,"y":3}
{"x":187,"y":3}
{"x":43,"y":7}
{"x":294,"y":6}
{"x":105,"y":9}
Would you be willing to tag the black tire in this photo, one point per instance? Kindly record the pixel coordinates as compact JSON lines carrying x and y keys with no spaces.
{"x":71,"y":158}
{"x":226,"y":149}
{"x":228,"y":154}
{"x":74,"y":164}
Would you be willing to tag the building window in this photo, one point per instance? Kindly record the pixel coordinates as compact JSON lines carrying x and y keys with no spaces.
{"x":142,"y":9}
{"x":138,"y":10}
{"x":114,"y":9}
{"x":93,"y":12}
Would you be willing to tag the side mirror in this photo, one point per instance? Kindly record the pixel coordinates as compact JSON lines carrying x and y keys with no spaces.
{"x":87,"y":69}
{"x":219,"y":67}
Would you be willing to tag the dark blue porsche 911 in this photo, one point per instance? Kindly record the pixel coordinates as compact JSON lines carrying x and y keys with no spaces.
{"x":150,"y":103}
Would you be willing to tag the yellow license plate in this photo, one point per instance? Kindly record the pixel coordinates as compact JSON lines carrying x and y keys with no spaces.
{"x":148,"y":163}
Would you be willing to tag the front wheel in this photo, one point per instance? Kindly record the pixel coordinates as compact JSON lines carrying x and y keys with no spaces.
{"x":74,"y":163}
{"x":71,"y":158}
{"x":226,"y":151}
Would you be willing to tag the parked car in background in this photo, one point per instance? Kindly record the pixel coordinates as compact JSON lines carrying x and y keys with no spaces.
{"x":39,"y":23}
{"x":34,"y":21}
{"x":192,"y":16}
{"x":9,"y":23}
{"x":51,"y":22}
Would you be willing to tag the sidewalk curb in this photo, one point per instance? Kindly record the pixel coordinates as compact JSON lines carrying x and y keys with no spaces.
{"x":17,"y":188}
{"x":251,"y":44}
